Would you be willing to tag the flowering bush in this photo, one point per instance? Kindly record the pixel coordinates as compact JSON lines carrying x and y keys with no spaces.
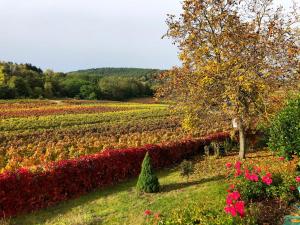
{"x":21,"y":191}
{"x":250,"y":184}
{"x":234,"y":205}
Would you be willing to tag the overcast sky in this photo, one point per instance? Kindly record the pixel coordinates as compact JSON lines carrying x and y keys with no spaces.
{"x":67,"y":35}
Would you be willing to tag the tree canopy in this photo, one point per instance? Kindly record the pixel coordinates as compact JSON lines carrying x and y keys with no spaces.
{"x":234,"y":53}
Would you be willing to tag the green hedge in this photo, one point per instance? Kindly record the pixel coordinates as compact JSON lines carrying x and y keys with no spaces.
{"x":285,"y":130}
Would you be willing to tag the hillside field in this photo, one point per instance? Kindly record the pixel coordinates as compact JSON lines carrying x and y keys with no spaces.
{"x":33,"y":132}
{"x":87,"y":154}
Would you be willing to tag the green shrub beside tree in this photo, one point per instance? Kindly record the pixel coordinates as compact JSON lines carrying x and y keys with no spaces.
{"x":285,"y":130}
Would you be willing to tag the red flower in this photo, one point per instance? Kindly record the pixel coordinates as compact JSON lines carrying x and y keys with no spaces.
{"x":298,"y":179}
{"x":230,"y":209}
{"x":228,"y":165}
{"x":231,"y":187}
{"x":292,"y":188}
{"x":281,"y":158}
{"x":233,"y":206}
{"x":238,"y":165}
{"x":147,"y":212}
{"x":267,"y":180}
{"x":229,"y":200}
{"x":269,"y":175}
{"x":238,"y":173}
{"x":156,"y":215}
{"x":251,"y":177}
{"x":240,"y":208}
{"x":254,"y":177}
{"x":236,"y":195}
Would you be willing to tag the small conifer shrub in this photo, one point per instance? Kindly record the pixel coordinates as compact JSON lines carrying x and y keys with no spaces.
{"x":148,"y":181}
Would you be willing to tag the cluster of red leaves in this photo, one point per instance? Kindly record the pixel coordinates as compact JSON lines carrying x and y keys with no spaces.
{"x":25,"y":191}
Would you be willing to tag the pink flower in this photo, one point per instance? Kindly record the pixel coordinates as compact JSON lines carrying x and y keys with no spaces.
{"x":298,"y":179}
{"x":229,"y":200}
{"x":240,"y":208}
{"x":235,"y":195}
{"x":251,"y":177}
{"x":147,"y":212}
{"x":231,"y":197}
{"x":228,"y":165}
{"x":233,"y":205}
{"x":230,"y":209}
{"x":254,"y":177}
{"x":238,"y":165}
{"x":238,"y":173}
{"x":267,"y":180}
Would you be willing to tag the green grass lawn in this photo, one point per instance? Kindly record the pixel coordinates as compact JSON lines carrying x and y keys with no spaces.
{"x":122,"y":205}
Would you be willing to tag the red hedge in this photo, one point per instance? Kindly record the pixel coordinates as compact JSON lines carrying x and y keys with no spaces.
{"x":25,"y":191}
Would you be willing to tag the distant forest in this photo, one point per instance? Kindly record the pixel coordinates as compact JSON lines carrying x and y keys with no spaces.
{"x":28,"y":81}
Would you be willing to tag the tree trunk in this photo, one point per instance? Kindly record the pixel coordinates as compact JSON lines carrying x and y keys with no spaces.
{"x":242,"y":153}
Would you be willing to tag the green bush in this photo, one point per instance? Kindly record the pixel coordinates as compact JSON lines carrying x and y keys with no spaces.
{"x":284,"y":135}
{"x":216,"y":146}
{"x":147,"y":182}
{"x":186,"y":169}
{"x":228,"y":145}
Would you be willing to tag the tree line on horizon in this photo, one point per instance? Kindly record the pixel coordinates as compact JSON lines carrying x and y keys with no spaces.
{"x":28,"y":81}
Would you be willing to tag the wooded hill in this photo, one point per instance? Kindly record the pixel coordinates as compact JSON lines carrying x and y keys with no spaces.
{"x":28,"y":81}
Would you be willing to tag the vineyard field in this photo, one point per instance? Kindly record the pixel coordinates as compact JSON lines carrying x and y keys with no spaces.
{"x":35,"y":132}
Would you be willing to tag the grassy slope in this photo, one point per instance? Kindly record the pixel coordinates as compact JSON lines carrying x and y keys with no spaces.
{"x":122,"y":205}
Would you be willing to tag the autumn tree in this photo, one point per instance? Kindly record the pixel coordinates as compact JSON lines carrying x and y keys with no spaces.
{"x":234,"y":54}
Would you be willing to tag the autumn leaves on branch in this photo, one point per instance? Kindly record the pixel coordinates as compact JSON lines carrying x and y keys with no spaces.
{"x":234,"y":55}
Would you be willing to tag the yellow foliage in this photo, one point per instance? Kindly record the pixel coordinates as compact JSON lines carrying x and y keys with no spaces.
{"x":2,"y":75}
{"x":231,"y":65}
